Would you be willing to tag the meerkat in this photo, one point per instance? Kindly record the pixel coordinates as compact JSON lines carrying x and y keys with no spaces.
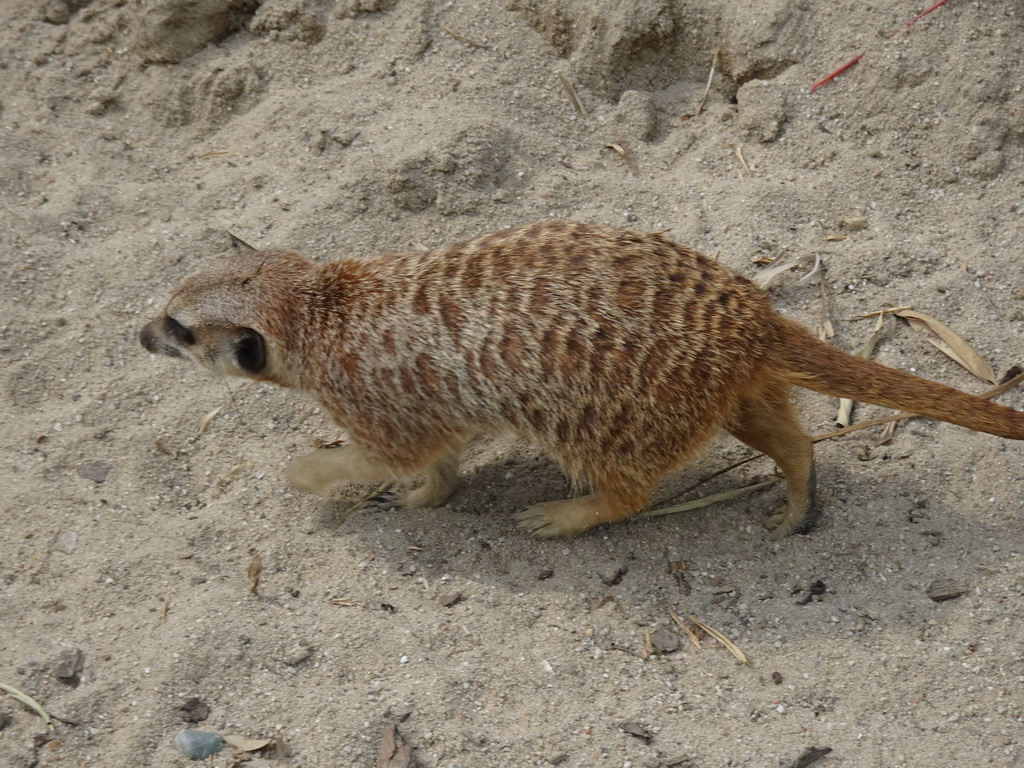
{"x":617,"y":353}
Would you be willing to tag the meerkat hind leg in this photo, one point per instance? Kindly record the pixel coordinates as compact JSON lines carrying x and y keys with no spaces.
{"x":552,"y":519}
{"x":318,"y":470}
{"x":765,"y":422}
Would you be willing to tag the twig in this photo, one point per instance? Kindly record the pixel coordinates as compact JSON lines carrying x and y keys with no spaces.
{"x":466,"y":40}
{"x":886,"y":311}
{"x":826,"y":331}
{"x":707,"y":88}
{"x":705,"y":501}
{"x":738,"y":150}
{"x":574,"y":99}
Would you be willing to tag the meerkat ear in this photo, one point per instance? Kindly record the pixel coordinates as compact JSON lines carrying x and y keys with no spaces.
{"x":239,"y":244}
{"x":250,"y":351}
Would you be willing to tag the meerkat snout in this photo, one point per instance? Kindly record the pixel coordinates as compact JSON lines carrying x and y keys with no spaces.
{"x":155,"y":336}
{"x":236,"y":351}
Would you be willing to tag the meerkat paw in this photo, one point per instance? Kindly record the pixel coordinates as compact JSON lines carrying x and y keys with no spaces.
{"x":430,"y":494}
{"x":782,"y":525}
{"x":441,"y":481}
{"x":778,"y":527}
{"x":317,"y":471}
{"x":552,"y":519}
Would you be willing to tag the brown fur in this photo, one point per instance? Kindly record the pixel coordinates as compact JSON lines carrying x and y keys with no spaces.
{"x":617,"y":353}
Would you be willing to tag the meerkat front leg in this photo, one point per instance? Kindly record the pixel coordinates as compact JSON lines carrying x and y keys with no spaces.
{"x":316,"y":471}
{"x":442,"y":479}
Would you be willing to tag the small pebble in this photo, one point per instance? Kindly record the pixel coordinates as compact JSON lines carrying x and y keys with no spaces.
{"x":69,"y":663}
{"x":297,"y":654}
{"x":96,"y":471}
{"x":449,"y":600}
{"x":946,"y":589}
{"x":66,"y":542}
{"x":665,"y":640}
{"x":635,"y":729}
{"x":198,"y":745}
{"x":195,"y":710}
{"x":613,"y":578}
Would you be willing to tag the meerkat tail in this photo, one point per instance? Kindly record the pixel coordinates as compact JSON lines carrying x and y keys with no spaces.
{"x":815,"y":365}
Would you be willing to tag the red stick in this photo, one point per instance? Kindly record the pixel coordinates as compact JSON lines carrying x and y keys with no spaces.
{"x":896,"y":31}
{"x":839,"y":71}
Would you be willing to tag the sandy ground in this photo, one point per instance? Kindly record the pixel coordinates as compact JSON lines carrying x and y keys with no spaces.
{"x":134,"y":135}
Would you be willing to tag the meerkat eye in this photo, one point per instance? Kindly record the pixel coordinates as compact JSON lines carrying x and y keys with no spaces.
{"x":179,"y":331}
{"x":250,"y":351}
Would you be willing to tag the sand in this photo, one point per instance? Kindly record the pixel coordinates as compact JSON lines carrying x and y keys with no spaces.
{"x":137,"y":490}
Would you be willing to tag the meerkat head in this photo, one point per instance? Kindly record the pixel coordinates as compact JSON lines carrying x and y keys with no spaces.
{"x":234,"y":317}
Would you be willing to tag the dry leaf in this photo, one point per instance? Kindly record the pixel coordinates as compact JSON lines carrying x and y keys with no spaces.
{"x":28,"y":701}
{"x":394,"y":751}
{"x":740,"y":656}
{"x":951,"y":343}
{"x":765,"y":276}
{"x":885,"y":436}
{"x":810,"y":756}
{"x":886,"y":311}
{"x":685,"y":628}
{"x":244,"y":743}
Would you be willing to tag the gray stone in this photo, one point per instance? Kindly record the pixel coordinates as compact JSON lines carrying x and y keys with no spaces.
{"x":198,"y":745}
